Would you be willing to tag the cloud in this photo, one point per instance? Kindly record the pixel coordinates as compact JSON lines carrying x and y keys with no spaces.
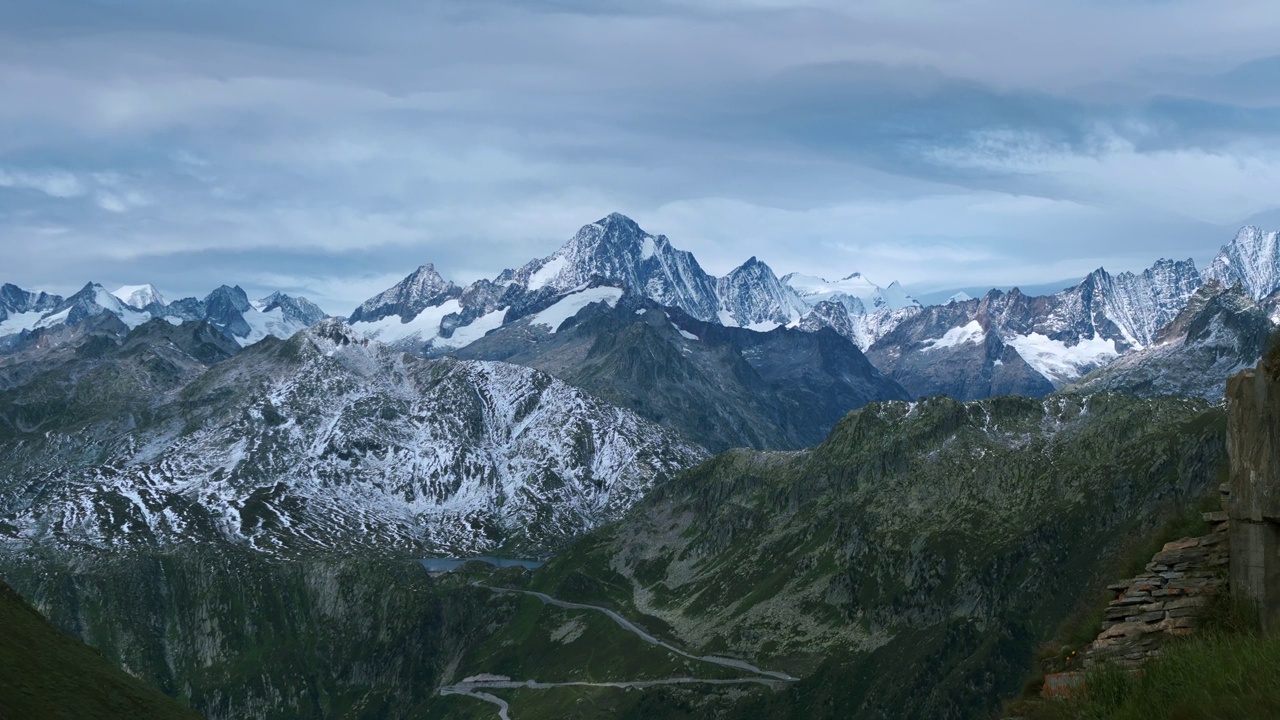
{"x":331,"y":146}
{"x":1214,"y":185}
{"x":54,"y":183}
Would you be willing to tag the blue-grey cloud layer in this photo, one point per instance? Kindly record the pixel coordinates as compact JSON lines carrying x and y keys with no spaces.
{"x":328,"y":148}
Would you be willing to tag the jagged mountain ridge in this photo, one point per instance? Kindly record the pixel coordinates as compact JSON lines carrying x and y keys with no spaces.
{"x":1252,"y":259}
{"x":1061,"y":337}
{"x":227,"y":308}
{"x":429,"y":315}
{"x":1054,"y":339}
{"x":323,"y":440}
{"x":1220,"y":332}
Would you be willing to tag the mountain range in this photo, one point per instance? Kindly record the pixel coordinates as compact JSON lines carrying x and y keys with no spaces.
{"x":1003,"y":342}
{"x":227,"y":308}
{"x":216,"y":492}
{"x":427,"y":314}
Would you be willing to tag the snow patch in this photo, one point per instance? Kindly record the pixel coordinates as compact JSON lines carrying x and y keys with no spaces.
{"x":468,"y":334}
{"x":424,"y":327}
{"x":109,"y":302}
{"x":1059,"y":362}
{"x":20,"y":321}
{"x":547,"y":272}
{"x":262,"y":324}
{"x":685,"y":333}
{"x":139,"y":296}
{"x":647,"y":249}
{"x":571,"y":304}
{"x":970,"y":333}
{"x":815,"y":289}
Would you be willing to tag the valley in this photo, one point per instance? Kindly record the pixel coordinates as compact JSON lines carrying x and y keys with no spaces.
{"x":727,"y":507}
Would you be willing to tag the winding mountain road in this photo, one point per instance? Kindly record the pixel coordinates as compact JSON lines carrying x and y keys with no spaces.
{"x":626,"y":624}
{"x":473,"y":689}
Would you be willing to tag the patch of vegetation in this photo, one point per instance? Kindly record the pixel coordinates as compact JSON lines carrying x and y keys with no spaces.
{"x":1082,"y":626}
{"x":1227,"y":670}
{"x":45,"y":674}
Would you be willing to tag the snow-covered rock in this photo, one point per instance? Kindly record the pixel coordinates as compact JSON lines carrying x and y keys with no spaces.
{"x":227,"y":308}
{"x":424,"y":288}
{"x":1220,"y":332}
{"x":1060,"y":337}
{"x":429,"y":315}
{"x":1252,"y":259}
{"x":616,"y":249}
{"x":331,"y":440}
{"x":139,"y":296}
{"x":751,"y":296}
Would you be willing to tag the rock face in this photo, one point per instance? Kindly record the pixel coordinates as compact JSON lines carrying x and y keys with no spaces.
{"x":1252,"y":259}
{"x":719,"y":386}
{"x":751,"y":296}
{"x":1162,"y":602}
{"x":1220,"y":332}
{"x":1253,"y":411}
{"x":324,"y":440}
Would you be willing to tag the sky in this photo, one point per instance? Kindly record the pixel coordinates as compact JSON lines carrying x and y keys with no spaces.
{"x":328,"y":148}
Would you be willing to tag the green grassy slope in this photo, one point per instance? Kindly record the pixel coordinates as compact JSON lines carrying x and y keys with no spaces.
{"x":908,"y":566}
{"x":48,"y":675}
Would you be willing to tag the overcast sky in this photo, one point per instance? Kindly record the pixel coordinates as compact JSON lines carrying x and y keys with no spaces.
{"x":328,"y":148}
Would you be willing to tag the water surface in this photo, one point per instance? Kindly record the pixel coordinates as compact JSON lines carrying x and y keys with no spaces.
{"x":442,"y":565}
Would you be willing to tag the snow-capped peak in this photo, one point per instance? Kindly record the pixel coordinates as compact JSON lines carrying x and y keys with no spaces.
{"x":423,"y":288}
{"x":1252,"y":259}
{"x":815,"y":289}
{"x":617,"y":250}
{"x":140,"y":296}
{"x":959,"y":297}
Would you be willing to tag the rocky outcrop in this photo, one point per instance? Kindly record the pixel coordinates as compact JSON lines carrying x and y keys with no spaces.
{"x":1164,"y":601}
{"x":1253,"y":422}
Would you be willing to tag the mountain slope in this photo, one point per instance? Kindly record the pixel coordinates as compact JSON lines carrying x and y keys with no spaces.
{"x":325,"y":440}
{"x":428,"y":315}
{"x":239,"y":635}
{"x":1220,"y":332}
{"x":1061,"y":337}
{"x":751,"y":296}
{"x":719,"y":386}
{"x":48,"y":675}
{"x":1252,"y":259}
{"x":908,"y":565}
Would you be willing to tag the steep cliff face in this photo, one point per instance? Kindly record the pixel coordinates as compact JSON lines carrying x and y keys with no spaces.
{"x":238,"y":635}
{"x":1253,"y":442}
{"x":1220,"y":332}
{"x":46,"y":674}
